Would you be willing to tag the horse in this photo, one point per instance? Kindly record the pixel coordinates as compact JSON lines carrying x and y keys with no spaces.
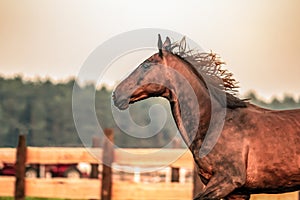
{"x":257,"y":150}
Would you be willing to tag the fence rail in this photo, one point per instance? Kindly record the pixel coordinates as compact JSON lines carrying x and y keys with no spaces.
{"x":61,"y":155}
{"x":90,"y":189}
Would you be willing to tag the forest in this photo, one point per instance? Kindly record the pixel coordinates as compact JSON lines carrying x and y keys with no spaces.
{"x":42,"y":110}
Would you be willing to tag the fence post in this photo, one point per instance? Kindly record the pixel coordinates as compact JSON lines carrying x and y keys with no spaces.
{"x":175,"y":174}
{"x":107,"y":160}
{"x":20,"y":168}
{"x":94,"y":166}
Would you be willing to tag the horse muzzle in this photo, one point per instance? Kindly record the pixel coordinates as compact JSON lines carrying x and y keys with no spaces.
{"x":121,"y":102}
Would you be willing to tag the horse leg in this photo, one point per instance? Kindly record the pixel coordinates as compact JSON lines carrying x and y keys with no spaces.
{"x":238,"y":197}
{"x":218,"y":187}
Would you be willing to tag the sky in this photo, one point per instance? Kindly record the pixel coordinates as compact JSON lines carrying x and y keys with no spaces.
{"x":259,"y":40}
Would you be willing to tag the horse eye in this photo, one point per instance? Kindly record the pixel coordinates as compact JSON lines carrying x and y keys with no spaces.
{"x":146,"y":65}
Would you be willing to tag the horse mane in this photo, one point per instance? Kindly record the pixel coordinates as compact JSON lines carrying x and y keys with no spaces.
{"x":209,"y":66}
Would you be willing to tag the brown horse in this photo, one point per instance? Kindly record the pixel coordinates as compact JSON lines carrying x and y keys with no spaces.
{"x":257,"y":150}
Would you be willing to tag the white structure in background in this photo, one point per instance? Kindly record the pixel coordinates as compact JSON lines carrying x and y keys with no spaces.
{"x":137,"y":175}
{"x":84,"y":167}
{"x":182,"y":175}
{"x":168,"y":172}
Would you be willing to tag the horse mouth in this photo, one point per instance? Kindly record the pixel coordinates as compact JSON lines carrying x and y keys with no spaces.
{"x":122,"y":102}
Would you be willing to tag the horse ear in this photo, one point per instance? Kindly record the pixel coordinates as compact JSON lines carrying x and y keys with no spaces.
{"x":182,"y":44}
{"x":160,"y":46}
{"x":167,"y":44}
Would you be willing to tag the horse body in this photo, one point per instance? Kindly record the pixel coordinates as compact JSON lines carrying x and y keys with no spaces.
{"x":272,"y":140}
{"x":257,"y":150}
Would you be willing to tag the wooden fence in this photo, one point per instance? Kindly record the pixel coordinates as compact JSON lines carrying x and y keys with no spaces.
{"x":91,"y":188}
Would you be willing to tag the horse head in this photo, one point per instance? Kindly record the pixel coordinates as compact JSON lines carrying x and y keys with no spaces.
{"x":150,"y":79}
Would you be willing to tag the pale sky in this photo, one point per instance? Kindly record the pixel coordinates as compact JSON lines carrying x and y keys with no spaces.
{"x":259,"y":40}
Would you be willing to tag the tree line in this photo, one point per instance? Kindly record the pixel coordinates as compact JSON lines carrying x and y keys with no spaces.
{"x":43,"y":111}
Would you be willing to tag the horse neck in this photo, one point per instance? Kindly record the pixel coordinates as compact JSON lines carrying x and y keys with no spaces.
{"x":191,"y":116}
